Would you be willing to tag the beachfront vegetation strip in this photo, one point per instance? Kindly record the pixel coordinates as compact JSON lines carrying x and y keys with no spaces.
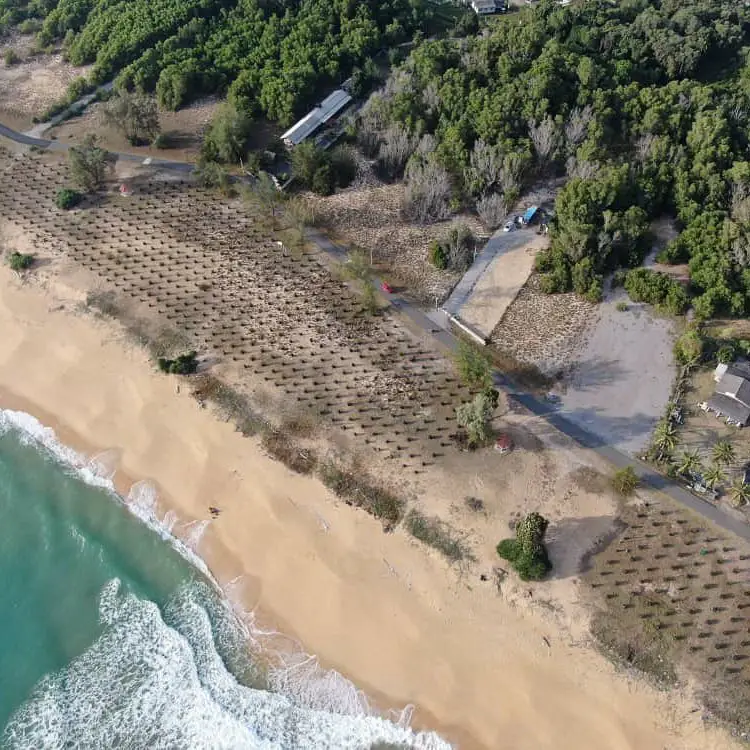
{"x":437,"y":534}
{"x":642,"y":106}
{"x":527,"y":553}
{"x":273,"y":58}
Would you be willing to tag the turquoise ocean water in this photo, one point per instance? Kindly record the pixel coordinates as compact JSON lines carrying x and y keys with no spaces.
{"x":112,"y":637}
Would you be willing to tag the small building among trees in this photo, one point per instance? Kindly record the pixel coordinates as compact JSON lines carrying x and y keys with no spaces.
{"x":331,"y":106}
{"x":731,"y":398}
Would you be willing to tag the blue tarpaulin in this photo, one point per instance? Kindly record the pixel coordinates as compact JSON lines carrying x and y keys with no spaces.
{"x":530,"y":213}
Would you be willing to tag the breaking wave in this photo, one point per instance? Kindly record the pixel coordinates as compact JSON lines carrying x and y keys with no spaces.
{"x":188,"y":675}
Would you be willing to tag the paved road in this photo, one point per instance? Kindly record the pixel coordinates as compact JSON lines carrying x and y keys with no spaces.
{"x":444,"y":336}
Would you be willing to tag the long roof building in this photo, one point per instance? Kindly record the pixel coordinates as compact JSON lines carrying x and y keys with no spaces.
{"x":328,"y":108}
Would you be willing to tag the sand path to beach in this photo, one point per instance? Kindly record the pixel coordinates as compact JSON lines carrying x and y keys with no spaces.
{"x":374,"y":606}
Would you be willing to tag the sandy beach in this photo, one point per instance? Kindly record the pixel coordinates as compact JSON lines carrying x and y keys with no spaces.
{"x":376,"y":607}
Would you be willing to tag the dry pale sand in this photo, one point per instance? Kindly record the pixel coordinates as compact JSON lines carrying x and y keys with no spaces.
{"x":374,"y":606}
{"x":499,"y":285}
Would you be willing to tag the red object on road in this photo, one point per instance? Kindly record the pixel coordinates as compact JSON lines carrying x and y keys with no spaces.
{"x":386,"y":288}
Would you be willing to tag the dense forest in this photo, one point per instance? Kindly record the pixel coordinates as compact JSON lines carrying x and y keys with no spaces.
{"x":642,"y":107}
{"x":274,"y":57}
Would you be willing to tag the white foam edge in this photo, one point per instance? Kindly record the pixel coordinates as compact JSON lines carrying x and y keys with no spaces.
{"x":296,"y":673}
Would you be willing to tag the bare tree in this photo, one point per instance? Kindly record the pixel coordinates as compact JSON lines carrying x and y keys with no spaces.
{"x":492,"y":209}
{"x":546,"y":137}
{"x":459,"y":245}
{"x":428,"y":192}
{"x":643,"y":147}
{"x":431,"y":98}
{"x":741,"y":250}
{"x":582,"y":168}
{"x":740,"y":209}
{"x":485,"y":169}
{"x":512,"y":175}
{"x":396,"y":148}
{"x":577,"y":125}
{"x":372,"y":121}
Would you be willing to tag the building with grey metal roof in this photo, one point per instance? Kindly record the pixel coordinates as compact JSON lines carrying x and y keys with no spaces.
{"x":326,"y":110}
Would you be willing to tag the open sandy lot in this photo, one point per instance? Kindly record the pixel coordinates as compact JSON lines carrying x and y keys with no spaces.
{"x":620,"y":378}
{"x":498,"y":286}
{"x":33,"y":84}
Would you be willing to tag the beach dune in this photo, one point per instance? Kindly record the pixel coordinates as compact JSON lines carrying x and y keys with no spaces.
{"x":376,"y":607}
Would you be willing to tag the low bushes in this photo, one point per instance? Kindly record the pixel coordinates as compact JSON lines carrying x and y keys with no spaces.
{"x":437,"y":534}
{"x":527,"y":553}
{"x":185,"y":364}
{"x":455,"y":252}
{"x":68,"y":198}
{"x":358,"y":492}
{"x":625,"y":481}
{"x":20,"y":261}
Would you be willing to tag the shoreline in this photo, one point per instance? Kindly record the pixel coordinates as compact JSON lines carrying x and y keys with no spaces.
{"x":377,"y":608}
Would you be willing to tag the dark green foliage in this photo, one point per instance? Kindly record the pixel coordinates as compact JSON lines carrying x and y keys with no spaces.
{"x":527,"y":553}
{"x":438,"y":255}
{"x":184,"y":364}
{"x":11,"y":58}
{"x":88,"y":164}
{"x":359,"y":492}
{"x":643,"y":106}
{"x":227,"y":136}
{"x":726,"y":354}
{"x":437,"y":534}
{"x":688,"y":349}
{"x":20,"y":261}
{"x":67,"y":198}
{"x":135,"y":115}
{"x":344,"y":165}
{"x":275,"y":58}
{"x":79,"y":88}
{"x":316,"y":169}
{"x":645,"y":285}
{"x":473,"y":365}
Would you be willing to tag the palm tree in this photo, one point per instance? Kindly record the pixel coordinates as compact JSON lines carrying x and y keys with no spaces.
{"x":739,"y":493}
{"x":665,"y":439}
{"x":714,"y":475}
{"x":723,"y":452}
{"x":689,"y":463}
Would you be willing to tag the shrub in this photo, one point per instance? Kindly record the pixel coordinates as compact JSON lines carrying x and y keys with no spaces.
{"x":185,"y":364}
{"x":227,"y":136}
{"x":438,"y":256}
{"x":211,"y":174}
{"x":527,"y":553}
{"x":11,"y":58}
{"x":358,"y":492}
{"x":688,"y":349}
{"x":475,"y":416}
{"x":625,"y":481}
{"x":621,"y":306}
{"x":726,"y":354}
{"x":435,"y":533}
{"x":88,"y":164}
{"x":473,"y":365}
{"x":343,"y":165}
{"x":654,"y":288}
{"x":67,"y":198}
{"x":20,"y":261}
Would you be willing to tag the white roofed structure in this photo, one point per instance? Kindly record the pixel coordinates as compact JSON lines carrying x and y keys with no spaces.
{"x":328,"y":108}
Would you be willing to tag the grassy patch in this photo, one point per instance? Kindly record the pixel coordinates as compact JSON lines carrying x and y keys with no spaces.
{"x":230,"y":403}
{"x":437,"y":534}
{"x":359,"y":492}
{"x":280,"y":446}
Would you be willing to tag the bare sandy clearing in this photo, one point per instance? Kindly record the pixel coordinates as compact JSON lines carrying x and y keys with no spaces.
{"x":499,"y":285}
{"x":30,"y":86}
{"x":183,"y":130}
{"x":621,"y":378}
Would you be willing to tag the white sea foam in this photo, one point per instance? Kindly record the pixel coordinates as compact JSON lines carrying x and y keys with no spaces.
{"x":146,"y":683}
